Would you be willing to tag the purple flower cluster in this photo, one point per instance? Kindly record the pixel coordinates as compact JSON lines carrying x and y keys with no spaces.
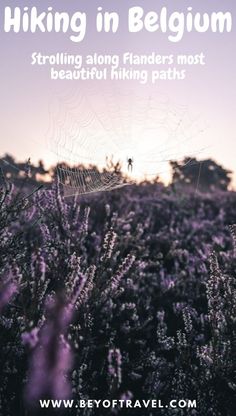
{"x":7,"y":291}
{"x":114,"y":365}
{"x":128,"y":294}
{"x":51,"y":357}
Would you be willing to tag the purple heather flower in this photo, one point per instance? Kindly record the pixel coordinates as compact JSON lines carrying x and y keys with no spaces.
{"x":30,"y":338}
{"x":109,"y":244}
{"x":114,"y":364}
{"x":123,"y":269}
{"x":51,"y":359}
{"x":7,"y":291}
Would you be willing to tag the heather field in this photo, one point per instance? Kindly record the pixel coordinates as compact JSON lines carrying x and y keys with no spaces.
{"x":126,"y":295}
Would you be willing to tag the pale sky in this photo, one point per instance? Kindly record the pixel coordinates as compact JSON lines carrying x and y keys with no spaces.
{"x":29,"y":97}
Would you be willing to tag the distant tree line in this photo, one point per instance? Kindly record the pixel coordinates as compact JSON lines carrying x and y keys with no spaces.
{"x":205,"y":175}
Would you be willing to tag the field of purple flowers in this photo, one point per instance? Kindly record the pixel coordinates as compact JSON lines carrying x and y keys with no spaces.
{"x":128,"y":294}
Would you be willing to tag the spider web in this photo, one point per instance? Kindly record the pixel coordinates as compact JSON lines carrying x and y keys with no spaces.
{"x":94,"y":134}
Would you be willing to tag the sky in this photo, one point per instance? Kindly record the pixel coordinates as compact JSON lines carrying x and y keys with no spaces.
{"x":195,"y":116}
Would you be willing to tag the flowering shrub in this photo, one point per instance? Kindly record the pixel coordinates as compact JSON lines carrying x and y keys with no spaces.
{"x":128,"y":295}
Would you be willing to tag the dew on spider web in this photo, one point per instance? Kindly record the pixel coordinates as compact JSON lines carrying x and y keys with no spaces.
{"x":93,"y":136}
